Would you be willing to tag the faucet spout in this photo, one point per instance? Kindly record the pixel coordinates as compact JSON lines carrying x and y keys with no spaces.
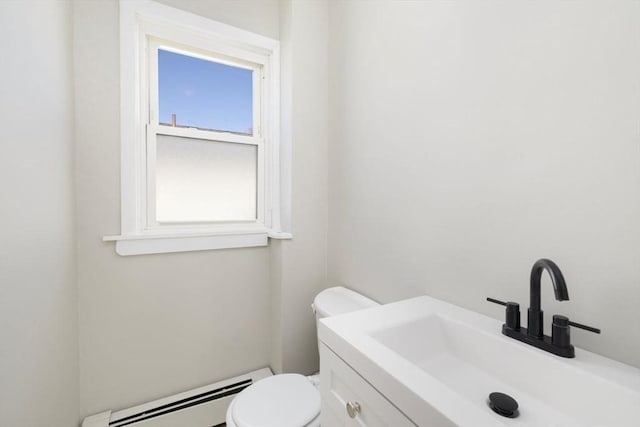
{"x":535,"y":317}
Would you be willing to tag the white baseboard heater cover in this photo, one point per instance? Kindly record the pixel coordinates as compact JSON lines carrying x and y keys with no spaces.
{"x":202,"y":407}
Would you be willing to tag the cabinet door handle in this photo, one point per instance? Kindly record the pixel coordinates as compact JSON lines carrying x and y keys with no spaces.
{"x":353,"y":409}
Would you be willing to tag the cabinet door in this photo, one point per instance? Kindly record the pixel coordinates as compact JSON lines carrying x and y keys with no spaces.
{"x":341,"y":386}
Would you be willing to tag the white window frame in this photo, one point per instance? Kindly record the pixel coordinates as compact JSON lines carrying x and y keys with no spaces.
{"x":145,"y":26}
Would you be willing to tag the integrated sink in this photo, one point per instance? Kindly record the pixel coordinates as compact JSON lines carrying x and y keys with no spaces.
{"x":439,"y":363}
{"x":474,"y":364}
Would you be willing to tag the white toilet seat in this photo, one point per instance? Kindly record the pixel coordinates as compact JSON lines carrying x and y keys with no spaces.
{"x":231,"y":423}
{"x":287,"y":400}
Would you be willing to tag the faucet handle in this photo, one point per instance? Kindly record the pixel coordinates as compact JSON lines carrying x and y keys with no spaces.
{"x":496,"y":301}
{"x":585,"y":327}
{"x":512,"y":315}
{"x":560,"y":335}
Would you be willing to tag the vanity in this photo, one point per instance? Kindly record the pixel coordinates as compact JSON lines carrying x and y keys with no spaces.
{"x":425,"y":362}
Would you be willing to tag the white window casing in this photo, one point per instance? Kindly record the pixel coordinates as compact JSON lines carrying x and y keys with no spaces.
{"x":146,"y":26}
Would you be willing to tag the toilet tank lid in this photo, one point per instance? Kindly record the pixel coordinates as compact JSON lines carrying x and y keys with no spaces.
{"x":339,"y":300}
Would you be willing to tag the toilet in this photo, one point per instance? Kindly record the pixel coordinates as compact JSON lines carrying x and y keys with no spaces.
{"x":292,"y":400}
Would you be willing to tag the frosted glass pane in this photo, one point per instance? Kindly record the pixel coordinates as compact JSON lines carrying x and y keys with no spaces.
{"x":201,"y":181}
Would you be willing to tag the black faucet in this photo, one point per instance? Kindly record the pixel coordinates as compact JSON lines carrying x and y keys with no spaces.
{"x":560,"y":341}
{"x":534,"y":319}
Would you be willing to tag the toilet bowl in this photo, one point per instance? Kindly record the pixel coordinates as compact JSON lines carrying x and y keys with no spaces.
{"x":292,"y":400}
{"x":287,"y":400}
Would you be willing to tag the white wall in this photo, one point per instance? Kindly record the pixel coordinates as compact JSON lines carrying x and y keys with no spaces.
{"x":38,"y":354}
{"x":469,"y":139}
{"x":299,"y":266}
{"x":154,"y":325}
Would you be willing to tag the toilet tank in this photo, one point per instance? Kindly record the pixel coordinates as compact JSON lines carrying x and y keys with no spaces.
{"x":339,"y":300}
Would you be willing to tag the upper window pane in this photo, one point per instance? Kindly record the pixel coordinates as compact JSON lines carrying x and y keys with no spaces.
{"x":204,"y":94}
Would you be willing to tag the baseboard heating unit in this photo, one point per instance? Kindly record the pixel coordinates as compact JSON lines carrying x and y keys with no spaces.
{"x":202,"y":407}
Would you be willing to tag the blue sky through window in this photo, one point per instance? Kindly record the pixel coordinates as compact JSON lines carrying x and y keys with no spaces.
{"x":204,"y":94}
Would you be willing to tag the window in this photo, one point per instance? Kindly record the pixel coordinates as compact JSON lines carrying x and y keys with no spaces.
{"x":205,"y":151}
{"x":200,"y":133}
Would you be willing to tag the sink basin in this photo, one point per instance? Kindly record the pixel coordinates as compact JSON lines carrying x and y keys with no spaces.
{"x":438,"y":363}
{"x":474,"y":364}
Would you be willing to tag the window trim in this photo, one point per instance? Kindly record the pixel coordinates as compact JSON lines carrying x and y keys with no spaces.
{"x":140,"y":19}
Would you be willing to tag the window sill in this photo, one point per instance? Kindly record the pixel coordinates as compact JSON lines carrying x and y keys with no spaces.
{"x":141,"y":244}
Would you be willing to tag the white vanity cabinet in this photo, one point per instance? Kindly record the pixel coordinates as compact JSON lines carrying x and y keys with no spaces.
{"x":349,"y":401}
